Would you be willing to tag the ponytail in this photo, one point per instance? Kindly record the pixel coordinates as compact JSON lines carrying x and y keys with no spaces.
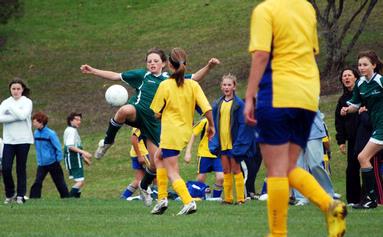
{"x":177,"y":59}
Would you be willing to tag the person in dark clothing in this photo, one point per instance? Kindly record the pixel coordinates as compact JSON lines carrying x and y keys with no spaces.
{"x":252,"y":167}
{"x":346,"y":132}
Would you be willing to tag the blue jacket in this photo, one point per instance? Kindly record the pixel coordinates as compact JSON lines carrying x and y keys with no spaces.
{"x":48,"y":146}
{"x":243,"y":136}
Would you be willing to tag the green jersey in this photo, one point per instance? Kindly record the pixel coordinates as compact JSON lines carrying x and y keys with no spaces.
{"x":369,"y":93}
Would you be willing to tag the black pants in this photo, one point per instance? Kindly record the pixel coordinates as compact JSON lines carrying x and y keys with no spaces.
{"x":253,"y":164}
{"x":57,"y":176}
{"x":353,"y":186}
{"x":9,"y":153}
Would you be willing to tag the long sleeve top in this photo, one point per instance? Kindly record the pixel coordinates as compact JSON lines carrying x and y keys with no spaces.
{"x":16,"y":118}
{"x":48,"y":146}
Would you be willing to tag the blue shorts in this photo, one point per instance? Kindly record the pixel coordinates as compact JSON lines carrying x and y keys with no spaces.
{"x":136,"y":165}
{"x":207,"y":165}
{"x":169,"y":153}
{"x":278,"y":126}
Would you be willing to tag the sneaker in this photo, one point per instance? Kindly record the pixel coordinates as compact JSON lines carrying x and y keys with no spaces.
{"x":366,"y":203}
{"x":9,"y":200}
{"x":188,"y":209}
{"x":337,"y":196}
{"x":20,"y":200}
{"x":263,"y":197}
{"x":160,"y":207}
{"x":146,"y":195}
{"x":301,"y":202}
{"x":335,"y":218}
{"x":101,"y":149}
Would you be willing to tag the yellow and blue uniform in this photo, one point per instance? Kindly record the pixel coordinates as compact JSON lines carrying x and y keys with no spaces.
{"x":207,"y":162}
{"x":141,"y":146}
{"x":288,"y":95}
{"x":224,"y":125}
{"x":289,"y":88}
{"x":176,"y":106}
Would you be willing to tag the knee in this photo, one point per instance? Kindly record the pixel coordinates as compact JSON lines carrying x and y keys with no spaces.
{"x":219,"y":180}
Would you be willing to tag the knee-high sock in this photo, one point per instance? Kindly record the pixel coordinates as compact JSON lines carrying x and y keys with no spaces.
{"x":180,"y":187}
{"x":305,"y":183}
{"x":228,"y":187}
{"x":112,"y":131}
{"x":147,"y":179}
{"x":368,"y":183}
{"x":162,"y":183}
{"x":277,"y":204}
{"x":240,"y":187}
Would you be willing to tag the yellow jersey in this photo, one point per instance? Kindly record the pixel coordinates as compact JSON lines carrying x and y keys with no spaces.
{"x":141,"y":144}
{"x":203,"y":147}
{"x":287,"y":29}
{"x":176,"y":105}
{"x":224,"y":125}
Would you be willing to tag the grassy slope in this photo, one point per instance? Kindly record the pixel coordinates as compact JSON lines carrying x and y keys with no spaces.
{"x":47,"y":46}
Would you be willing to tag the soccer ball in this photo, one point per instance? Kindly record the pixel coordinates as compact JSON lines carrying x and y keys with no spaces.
{"x":116,"y":95}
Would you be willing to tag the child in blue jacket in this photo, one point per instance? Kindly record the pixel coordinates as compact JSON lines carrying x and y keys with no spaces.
{"x":49,"y":155}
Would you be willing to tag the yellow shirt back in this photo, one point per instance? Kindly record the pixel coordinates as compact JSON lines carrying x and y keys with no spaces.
{"x":224,"y":125}
{"x":203,"y":147}
{"x":288,"y":30}
{"x":141,"y":144}
{"x":176,"y":106}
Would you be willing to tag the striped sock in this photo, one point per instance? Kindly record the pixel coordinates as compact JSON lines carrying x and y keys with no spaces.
{"x":112,"y":131}
{"x":217,"y":191}
{"x":128,"y":192}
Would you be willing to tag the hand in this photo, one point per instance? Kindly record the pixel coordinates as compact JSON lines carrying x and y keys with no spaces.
{"x":187,"y":157}
{"x":210,"y":132}
{"x":342,"y":148}
{"x":212,"y":62}
{"x":362,"y":109}
{"x":86,"y":69}
{"x":87,"y":157}
{"x":249,"y":112}
{"x":343,"y":111}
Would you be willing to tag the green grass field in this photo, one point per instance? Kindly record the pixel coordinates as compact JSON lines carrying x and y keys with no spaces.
{"x":46,"y":48}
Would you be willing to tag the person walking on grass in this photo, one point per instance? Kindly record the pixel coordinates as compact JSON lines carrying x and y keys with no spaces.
{"x":174,"y":104}
{"x":49,"y":155}
{"x":284,"y":78}
{"x":74,"y":155}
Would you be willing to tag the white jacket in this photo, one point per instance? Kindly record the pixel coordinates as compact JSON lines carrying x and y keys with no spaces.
{"x":16,"y":118}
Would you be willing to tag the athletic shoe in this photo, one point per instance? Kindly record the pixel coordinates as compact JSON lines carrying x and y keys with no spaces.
{"x":146,"y":195}
{"x":335,"y":218}
{"x":101,"y":149}
{"x":263,"y":197}
{"x":366,"y":203}
{"x":160,"y":207}
{"x":337,"y":196}
{"x":20,"y":200}
{"x":301,"y":202}
{"x":188,"y":209}
{"x":9,"y":200}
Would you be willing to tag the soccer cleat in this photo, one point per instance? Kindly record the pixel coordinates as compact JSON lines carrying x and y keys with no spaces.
{"x":146,"y":195}
{"x":9,"y":200}
{"x":20,"y":200}
{"x":335,"y":218}
{"x":366,"y":203}
{"x":188,"y":209}
{"x":101,"y":149}
{"x":160,"y":207}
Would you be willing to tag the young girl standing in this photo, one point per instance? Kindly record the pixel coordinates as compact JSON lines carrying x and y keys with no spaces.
{"x":137,"y":112}
{"x":15,"y":114}
{"x":233,"y":141}
{"x":369,"y":92}
{"x":175,"y":103}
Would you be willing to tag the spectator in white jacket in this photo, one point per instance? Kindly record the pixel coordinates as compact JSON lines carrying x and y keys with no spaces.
{"x":15,"y":115}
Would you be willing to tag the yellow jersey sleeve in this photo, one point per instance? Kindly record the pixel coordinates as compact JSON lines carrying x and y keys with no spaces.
{"x":261,"y":21}
{"x":201,"y":99}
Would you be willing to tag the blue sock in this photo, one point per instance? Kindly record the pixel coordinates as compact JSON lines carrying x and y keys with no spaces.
{"x":217,"y":191}
{"x":128,"y":192}
{"x":264,"y":187}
